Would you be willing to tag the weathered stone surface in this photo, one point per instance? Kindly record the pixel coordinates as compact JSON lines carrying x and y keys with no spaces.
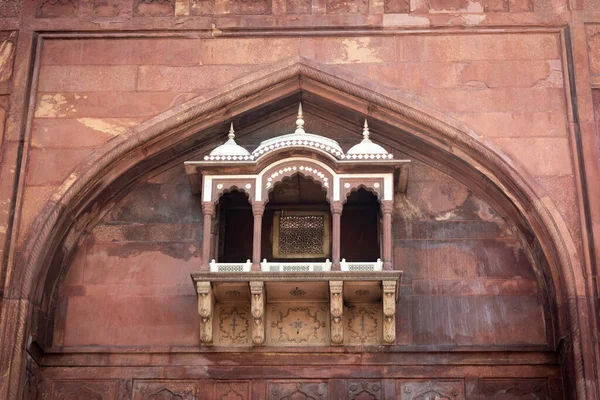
{"x":147,"y":51}
{"x":87,"y":78}
{"x":56,"y":8}
{"x":248,"y":51}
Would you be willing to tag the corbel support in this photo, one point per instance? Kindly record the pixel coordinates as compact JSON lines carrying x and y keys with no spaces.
{"x":206,"y":304}
{"x":336,"y":303}
{"x":257,"y":307}
{"x":389,"y":311}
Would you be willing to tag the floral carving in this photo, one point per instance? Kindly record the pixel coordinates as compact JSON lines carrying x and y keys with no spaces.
{"x":164,"y":390}
{"x":298,"y":325}
{"x":234,"y":325}
{"x":363,"y":390}
{"x":231,"y":391}
{"x":364,"y":324}
{"x":534,"y":389}
{"x":300,"y":390}
{"x":92,"y":390}
{"x":428,"y":390}
{"x":154,"y":8}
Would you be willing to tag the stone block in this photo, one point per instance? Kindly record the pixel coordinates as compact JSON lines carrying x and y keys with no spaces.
{"x":87,"y":78}
{"x":154,"y":8}
{"x":475,"y":287}
{"x":107,"y":104}
{"x":593,"y":41}
{"x":465,"y":47}
{"x":148,"y":51}
{"x":131,"y":321}
{"x":34,"y":199}
{"x":517,"y":124}
{"x":51,"y":166}
{"x":8,"y":44}
{"x":416,"y":75}
{"x":248,"y":51}
{"x":168,"y":390}
{"x":140,"y":264}
{"x":521,"y":73}
{"x":81,"y":132}
{"x":493,"y":320}
{"x":496,"y":99}
{"x":345,"y":50}
{"x":190,"y":79}
{"x":540,"y":156}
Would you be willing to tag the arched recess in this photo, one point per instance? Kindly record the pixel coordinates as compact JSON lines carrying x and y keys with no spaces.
{"x":401,"y":123}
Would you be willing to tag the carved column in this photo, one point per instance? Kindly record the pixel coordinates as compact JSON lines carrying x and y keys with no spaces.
{"x":258,"y":209}
{"x":208,"y":211}
{"x":389,"y":312}
{"x":205,"y":310}
{"x":257,"y":307}
{"x":387,"y":207}
{"x":336,"y":217}
{"x":336,"y":303}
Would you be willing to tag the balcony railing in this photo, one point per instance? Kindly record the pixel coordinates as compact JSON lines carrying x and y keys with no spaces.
{"x":230,"y":267}
{"x":361,"y":266}
{"x":270,"y":266}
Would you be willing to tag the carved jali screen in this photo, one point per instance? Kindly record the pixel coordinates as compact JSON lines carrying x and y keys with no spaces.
{"x":301,"y":234}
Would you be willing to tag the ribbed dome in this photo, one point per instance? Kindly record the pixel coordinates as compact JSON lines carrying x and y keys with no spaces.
{"x":230,"y":147}
{"x":366,"y":146}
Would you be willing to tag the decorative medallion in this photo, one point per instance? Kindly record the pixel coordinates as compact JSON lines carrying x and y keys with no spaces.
{"x":364,"y":324}
{"x":362,"y":292}
{"x":299,"y":325}
{"x":297,"y":292}
{"x":232,"y":293}
{"x":234,"y":325}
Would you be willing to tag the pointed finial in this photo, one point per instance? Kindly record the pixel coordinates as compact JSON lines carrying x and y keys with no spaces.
{"x":231,"y":135}
{"x":300,"y":120}
{"x":366,"y":132}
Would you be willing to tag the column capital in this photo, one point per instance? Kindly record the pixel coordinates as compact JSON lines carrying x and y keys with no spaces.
{"x":208,"y":208}
{"x":336,"y":207}
{"x":258,"y":208}
{"x":387,"y":206}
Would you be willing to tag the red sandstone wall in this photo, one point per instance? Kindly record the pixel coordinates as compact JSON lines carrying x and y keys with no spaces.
{"x":510,"y":85}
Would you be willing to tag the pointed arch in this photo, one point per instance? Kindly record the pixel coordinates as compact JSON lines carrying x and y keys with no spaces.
{"x":166,"y":139}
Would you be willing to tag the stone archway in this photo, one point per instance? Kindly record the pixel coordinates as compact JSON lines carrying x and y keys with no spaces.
{"x":167,"y":138}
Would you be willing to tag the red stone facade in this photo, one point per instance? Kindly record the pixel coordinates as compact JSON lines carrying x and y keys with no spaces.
{"x":496,"y":102}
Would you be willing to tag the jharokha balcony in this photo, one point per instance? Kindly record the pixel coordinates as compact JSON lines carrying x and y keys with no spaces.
{"x":297,"y":221}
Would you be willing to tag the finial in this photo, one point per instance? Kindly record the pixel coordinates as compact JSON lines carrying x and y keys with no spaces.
{"x":300,"y":120}
{"x":366,"y":132}
{"x":231,"y":135}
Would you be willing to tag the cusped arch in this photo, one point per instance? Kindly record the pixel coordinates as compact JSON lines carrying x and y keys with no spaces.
{"x":119,"y":164}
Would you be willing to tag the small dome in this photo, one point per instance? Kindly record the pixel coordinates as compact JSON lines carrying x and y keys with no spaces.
{"x":300,"y":138}
{"x":366,"y":146}
{"x":230,"y":147}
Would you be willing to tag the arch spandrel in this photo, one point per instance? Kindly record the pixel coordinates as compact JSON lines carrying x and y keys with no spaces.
{"x":146,"y":144}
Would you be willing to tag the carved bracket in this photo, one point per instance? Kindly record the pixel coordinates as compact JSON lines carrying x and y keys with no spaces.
{"x":389,"y":312}
{"x":336,"y":304}
{"x":257,"y":308}
{"x":206,"y":307}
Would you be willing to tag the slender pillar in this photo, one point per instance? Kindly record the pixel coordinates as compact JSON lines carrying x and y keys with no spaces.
{"x":208,"y":211}
{"x":258,"y":209}
{"x":387,"y":207}
{"x":336,"y":217}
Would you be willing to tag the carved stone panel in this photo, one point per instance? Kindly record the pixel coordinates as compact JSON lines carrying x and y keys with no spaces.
{"x":233,"y":325}
{"x":298,"y":6}
{"x":75,"y":390}
{"x":250,"y":7}
{"x":238,"y":390}
{"x":56,"y":8}
{"x":363,"y":324}
{"x":164,"y":390}
{"x":364,"y":390}
{"x":154,"y":8}
{"x":428,"y":390}
{"x":298,"y":325}
{"x":297,"y":391}
{"x":202,"y":7}
{"x":347,"y":6}
{"x":505,"y":389}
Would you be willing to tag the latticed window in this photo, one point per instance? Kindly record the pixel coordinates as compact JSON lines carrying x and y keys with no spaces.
{"x":301,"y":234}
